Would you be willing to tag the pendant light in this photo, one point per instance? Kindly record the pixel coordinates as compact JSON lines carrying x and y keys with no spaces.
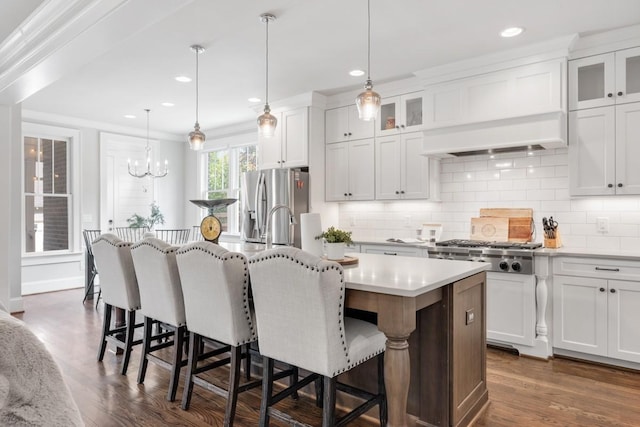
{"x":159,"y":173}
{"x":368,"y":102}
{"x":267,"y":122}
{"x":196,"y":137}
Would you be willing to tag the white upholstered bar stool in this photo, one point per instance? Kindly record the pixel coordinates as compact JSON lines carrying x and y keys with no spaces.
{"x":299,"y":306}
{"x":120,"y":290}
{"x":215,"y":285}
{"x":161,"y":301}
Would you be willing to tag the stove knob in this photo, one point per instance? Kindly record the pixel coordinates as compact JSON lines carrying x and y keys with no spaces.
{"x":516,"y":266}
{"x":504,"y":266}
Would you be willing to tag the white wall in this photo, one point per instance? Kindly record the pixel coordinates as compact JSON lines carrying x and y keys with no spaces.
{"x":539,"y":181}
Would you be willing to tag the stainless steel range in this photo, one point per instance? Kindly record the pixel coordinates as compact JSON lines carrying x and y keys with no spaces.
{"x":506,"y":257}
{"x":511,"y":287}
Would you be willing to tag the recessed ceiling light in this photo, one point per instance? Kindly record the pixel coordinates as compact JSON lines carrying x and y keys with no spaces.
{"x":356,"y":73}
{"x":254,"y":99}
{"x":167,"y":104}
{"x":511,"y":31}
{"x":129,"y":116}
{"x":183,"y":79}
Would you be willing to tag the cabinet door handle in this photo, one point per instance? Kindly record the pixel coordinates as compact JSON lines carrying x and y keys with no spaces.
{"x":350,"y":134}
{"x":350,"y":194}
{"x":397,"y":192}
{"x":613,"y":291}
{"x":610,"y":185}
{"x":390,"y":253}
{"x":601,"y":289}
{"x":345,"y":134}
{"x":397,"y":127}
{"x":610,"y":95}
{"x":402,"y":126}
{"x":620,"y":93}
{"x":345,"y":194}
{"x":619,"y":184}
{"x":402,"y":192}
{"x":607,"y":269}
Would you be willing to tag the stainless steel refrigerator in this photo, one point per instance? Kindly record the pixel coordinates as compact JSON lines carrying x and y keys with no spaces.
{"x":265,"y":189}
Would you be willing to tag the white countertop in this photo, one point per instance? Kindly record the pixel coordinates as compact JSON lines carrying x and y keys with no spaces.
{"x":589,"y":253}
{"x":394,"y":275}
{"x":406,"y":276}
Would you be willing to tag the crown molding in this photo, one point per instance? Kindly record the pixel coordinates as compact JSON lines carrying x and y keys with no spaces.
{"x":62,"y":35}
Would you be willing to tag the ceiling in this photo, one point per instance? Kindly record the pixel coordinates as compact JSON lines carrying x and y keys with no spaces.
{"x":313,"y":45}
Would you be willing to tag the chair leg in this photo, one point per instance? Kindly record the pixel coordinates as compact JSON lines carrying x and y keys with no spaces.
{"x":319,"y":391}
{"x":195,"y":349}
{"x":382,"y":391}
{"x":99,"y":295}
{"x":329,"y":402}
{"x":247,"y":362}
{"x":178,"y":343}
{"x":89,"y":287}
{"x":106,"y":325}
{"x":293,"y":380}
{"x":146,"y":346}
{"x":267,"y":390}
{"x":234,"y":381}
{"x":128,"y":340}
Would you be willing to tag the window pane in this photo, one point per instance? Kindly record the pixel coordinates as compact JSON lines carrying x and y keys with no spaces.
{"x":46,"y":157}
{"x":60,"y":167}
{"x":218,"y":178}
{"x":247,"y":159}
{"x":46,"y":223}
{"x":30,"y":162}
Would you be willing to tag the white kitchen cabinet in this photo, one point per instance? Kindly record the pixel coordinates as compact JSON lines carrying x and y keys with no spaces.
{"x":349,"y":171}
{"x":343,"y":124}
{"x":392,"y":250}
{"x":404,"y":113}
{"x":289,"y":146}
{"x":603,"y":150}
{"x":595,"y":311}
{"x":607,"y":79}
{"x":511,"y":306}
{"x":515,"y":92}
{"x":402,"y":172}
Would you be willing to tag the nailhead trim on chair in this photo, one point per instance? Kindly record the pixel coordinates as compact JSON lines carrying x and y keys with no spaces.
{"x":166,"y":250}
{"x":201,"y":246}
{"x":115,"y":241}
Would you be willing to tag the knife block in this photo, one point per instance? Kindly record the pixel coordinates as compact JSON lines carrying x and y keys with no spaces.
{"x":553,"y":243}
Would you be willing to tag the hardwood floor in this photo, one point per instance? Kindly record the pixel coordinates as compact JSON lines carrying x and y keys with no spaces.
{"x":522,"y":391}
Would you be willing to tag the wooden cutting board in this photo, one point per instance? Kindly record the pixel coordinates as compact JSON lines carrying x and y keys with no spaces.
{"x":492,"y":229}
{"x":519,"y":222}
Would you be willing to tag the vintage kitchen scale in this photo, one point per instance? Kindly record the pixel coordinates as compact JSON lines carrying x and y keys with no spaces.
{"x":210,"y":227}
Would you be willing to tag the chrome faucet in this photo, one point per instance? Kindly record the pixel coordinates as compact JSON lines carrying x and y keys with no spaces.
{"x":269,"y":237}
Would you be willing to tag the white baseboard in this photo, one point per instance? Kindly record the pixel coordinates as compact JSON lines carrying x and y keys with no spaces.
{"x":40,"y":286}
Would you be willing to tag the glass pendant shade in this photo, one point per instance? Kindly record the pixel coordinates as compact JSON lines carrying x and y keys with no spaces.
{"x":368,"y":103}
{"x":267,"y":123}
{"x":196,"y":138}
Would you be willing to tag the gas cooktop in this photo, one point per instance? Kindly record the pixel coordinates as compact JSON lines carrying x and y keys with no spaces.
{"x":504,"y":257}
{"x":462,"y":243}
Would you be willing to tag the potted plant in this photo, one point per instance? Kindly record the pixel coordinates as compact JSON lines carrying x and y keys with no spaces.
{"x":335,"y":242}
{"x":137,"y":221}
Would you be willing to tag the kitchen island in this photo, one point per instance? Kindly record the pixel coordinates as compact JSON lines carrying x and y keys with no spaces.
{"x":433,"y":314}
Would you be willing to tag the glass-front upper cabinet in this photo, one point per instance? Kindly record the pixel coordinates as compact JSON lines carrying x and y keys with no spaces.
{"x":608,"y":79}
{"x":404,"y":113}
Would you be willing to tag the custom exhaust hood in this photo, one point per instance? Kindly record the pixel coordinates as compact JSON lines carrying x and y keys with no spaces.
{"x":518,"y":134}
{"x":508,"y":101}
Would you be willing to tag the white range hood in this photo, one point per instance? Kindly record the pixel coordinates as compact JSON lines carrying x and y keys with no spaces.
{"x":508,"y":101}
{"x":534,"y":132}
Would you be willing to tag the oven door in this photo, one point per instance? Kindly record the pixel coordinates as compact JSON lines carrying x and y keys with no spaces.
{"x":511,"y":308}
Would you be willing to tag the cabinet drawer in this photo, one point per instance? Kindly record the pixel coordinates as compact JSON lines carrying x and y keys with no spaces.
{"x":597,"y":268}
{"x":390,"y":250}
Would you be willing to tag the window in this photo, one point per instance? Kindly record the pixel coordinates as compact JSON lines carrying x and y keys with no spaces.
{"x":46,"y":194}
{"x":223,"y":176}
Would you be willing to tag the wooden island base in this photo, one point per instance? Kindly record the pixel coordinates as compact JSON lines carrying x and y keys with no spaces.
{"x":435,"y":363}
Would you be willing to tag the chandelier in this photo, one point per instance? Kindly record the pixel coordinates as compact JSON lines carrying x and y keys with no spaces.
{"x":267,"y":122}
{"x":148,"y":173}
{"x":196,"y":136}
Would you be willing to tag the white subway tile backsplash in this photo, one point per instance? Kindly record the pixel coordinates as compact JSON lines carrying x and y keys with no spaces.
{"x":513,"y":173}
{"x":478,"y":165}
{"x":511,"y":180}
